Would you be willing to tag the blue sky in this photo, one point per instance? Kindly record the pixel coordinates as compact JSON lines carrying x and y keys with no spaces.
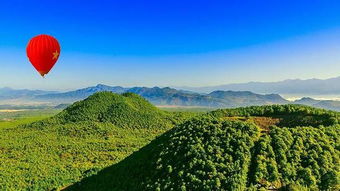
{"x":171,"y":43}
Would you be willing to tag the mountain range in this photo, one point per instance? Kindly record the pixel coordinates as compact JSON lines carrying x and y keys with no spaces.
{"x":176,"y":97}
{"x":9,"y":93}
{"x":173,"y":97}
{"x":291,"y":87}
{"x":170,"y":96}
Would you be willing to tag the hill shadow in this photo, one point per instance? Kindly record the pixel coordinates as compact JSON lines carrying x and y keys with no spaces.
{"x":129,"y":174}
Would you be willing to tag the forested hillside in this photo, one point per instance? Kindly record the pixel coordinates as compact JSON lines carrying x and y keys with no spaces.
{"x":234,"y":150}
{"x":125,"y":110}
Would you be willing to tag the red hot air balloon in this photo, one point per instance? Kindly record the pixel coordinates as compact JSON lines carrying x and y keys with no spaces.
{"x":43,"y":52}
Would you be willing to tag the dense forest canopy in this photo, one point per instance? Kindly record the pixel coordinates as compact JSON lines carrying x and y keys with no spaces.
{"x":213,"y":152}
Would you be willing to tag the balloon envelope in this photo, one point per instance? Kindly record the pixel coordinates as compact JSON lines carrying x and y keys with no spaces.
{"x":43,"y":52}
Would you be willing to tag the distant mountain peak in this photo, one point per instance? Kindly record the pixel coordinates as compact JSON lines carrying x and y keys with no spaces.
{"x":307,"y":98}
{"x":101,"y":85}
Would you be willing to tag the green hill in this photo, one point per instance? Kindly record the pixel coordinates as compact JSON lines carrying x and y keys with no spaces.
{"x":127,"y":110}
{"x":234,"y":149}
{"x":78,"y":142}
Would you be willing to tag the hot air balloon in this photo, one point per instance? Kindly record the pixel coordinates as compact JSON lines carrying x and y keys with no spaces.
{"x":43,"y":52}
